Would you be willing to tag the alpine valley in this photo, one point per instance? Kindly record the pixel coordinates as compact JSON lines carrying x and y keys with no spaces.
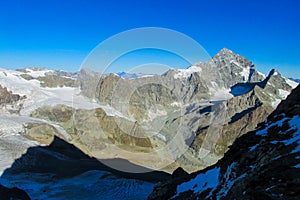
{"x":216,"y":130}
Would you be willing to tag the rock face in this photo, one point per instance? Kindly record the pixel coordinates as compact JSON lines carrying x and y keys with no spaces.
{"x":10,"y":102}
{"x":56,"y":81}
{"x":87,"y":81}
{"x":12,"y":194}
{"x":94,"y":128}
{"x":262,"y":164}
{"x":49,"y":78}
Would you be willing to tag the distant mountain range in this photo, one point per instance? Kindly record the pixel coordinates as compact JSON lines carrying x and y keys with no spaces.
{"x":56,"y":126}
{"x":133,"y":75}
{"x":295,"y":79}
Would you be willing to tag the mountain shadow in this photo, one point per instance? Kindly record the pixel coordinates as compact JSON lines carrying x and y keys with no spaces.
{"x":64,"y":160}
{"x":242,"y":88}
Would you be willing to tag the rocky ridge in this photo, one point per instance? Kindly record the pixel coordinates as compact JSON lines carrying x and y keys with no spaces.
{"x":262,"y":164}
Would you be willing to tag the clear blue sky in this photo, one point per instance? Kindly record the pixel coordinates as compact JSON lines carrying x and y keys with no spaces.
{"x":59,"y":34}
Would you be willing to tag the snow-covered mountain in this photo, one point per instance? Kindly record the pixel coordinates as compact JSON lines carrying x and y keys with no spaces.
{"x":176,"y":115}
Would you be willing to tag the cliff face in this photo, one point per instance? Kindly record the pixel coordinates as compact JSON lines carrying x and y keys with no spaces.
{"x":10,"y":102}
{"x":262,"y":164}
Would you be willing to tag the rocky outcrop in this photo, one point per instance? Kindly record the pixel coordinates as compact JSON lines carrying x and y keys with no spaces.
{"x":13,"y":193}
{"x":87,"y":81}
{"x":262,"y":164}
{"x":10,"y":102}
{"x":56,"y":81}
{"x":93,"y":129}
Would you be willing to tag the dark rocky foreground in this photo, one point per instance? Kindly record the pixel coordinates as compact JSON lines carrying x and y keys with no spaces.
{"x":12,"y":194}
{"x":262,"y":164}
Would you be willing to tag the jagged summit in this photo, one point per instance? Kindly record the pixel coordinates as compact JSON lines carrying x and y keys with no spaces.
{"x":225,"y":51}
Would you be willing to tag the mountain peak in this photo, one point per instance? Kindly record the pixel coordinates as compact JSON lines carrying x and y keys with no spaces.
{"x":228,"y":55}
{"x":225,"y":50}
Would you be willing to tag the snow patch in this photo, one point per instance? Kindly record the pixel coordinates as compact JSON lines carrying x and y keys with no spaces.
{"x":229,"y":177}
{"x":276,"y":103}
{"x":294,"y":124}
{"x":297,"y":166}
{"x":265,"y":131}
{"x":293,"y":84}
{"x":263,"y":75}
{"x":283,"y":93}
{"x":185,"y":73}
{"x":245,"y":73}
{"x":253,"y":147}
{"x":201,"y":182}
{"x":37,"y":73}
{"x":162,"y":137}
{"x":236,"y":63}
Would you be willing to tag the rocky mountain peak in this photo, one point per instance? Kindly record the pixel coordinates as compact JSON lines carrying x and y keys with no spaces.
{"x":226,"y":51}
{"x":227,"y":55}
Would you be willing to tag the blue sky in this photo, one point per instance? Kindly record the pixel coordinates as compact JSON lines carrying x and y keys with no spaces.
{"x":60,"y":34}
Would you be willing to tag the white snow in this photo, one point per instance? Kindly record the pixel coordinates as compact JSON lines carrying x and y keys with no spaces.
{"x":294,"y":123}
{"x":230,"y":179}
{"x":38,"y":96}
{"x":162,"y":137}
{"x":293,"y":84}
{"x":37,"y":73}
{"x":275,"y":103}
{"x":245,"y":73}
{"x":185,"y":73}
{"x":176,"y":104}
{"x":93,"y":184}
{"x":253,"y":147}
{"x":201,"y":182}
{"x":263,"y":75}
{"x":12,"y":143}
{"x":283,"y":93}
{"x":265,"y":131}
{"x":219,"y":93}
{"x":236,"y":63}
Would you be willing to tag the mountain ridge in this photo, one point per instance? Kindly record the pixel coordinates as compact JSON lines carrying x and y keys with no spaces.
{"x":263,"y":163}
